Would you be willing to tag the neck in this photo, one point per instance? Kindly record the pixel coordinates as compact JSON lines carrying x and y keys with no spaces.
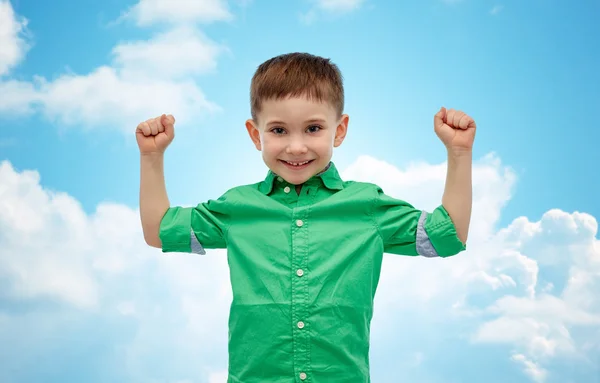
{"x":325,"y":169}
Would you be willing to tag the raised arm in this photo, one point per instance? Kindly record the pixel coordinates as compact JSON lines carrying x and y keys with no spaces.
{"x":153,"y":136}
{"x":457,"y":132}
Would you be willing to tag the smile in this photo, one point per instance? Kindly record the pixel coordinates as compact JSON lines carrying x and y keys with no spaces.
{"x":296,"y":165}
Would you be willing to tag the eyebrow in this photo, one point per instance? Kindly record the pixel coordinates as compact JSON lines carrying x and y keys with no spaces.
{"x":310,"y":121}
{"x":315,"y":120}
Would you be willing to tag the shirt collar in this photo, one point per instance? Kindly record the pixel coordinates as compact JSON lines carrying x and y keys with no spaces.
{"x":329,"y":176}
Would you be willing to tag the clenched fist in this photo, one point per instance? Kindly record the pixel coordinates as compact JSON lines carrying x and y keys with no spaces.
{"x":155,"y":134}
{"x":455,"y":129}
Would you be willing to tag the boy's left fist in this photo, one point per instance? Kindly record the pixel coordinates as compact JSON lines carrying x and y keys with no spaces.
{"x":455,"y":129}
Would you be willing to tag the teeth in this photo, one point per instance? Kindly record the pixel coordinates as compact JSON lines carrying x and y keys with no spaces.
{"x":297,"y":163}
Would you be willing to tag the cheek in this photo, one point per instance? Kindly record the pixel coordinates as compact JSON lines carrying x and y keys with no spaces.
{"x":272,"y":145}
{"x":323,"y":144}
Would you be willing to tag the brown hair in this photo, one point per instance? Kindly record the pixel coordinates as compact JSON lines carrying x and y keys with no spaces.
{"x":297,"y":74}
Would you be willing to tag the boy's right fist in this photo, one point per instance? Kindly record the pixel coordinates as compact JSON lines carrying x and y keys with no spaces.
{"x":155,"y":134}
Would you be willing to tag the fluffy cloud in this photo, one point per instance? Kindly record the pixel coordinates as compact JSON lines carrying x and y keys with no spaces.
{"x":532,"y":369}
{"x":144,"y":79}
{"x":106,"y":98}
{"x":505,"y":290}
{"x":23,"y":96}
{"x":329,"y":8}
{"x":92,"y":279}
{"x":148,"y":12}
{"x":176,"y":53}
{"x":12,"y":39}
{"x":559,"y":314}
{"x":529,"y":286}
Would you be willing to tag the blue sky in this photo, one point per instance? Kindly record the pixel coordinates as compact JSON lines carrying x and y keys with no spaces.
{"x":85,"y":300}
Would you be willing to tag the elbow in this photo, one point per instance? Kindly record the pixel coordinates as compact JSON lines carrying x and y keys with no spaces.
{"x":153,"y":241}
{"x":151,"y":232}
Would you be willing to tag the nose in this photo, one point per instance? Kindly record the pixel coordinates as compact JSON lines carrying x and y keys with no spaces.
{"x":296,"y":147}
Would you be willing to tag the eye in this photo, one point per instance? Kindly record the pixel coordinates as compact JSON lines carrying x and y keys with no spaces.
{"x":314,"y":128}
{"x":278,"y":130}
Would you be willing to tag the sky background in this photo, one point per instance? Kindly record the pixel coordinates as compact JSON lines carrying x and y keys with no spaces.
{"x":82,"y":299}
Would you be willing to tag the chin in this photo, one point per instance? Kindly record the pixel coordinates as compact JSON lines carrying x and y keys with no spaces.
{"x":295,"y":176}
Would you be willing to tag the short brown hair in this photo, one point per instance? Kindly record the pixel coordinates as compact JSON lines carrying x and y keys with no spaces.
{"x":297,"y":74}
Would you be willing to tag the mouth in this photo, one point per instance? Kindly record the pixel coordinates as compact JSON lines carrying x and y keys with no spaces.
{"x":297,"y":164}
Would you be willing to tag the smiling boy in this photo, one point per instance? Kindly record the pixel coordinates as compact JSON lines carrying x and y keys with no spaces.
{"x":304,"y":247}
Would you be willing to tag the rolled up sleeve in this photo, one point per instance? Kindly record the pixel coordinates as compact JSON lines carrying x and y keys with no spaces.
{"x":194,"y":229}
{"x":406,"y":230}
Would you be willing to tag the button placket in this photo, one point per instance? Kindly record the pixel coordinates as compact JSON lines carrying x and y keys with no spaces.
{"x":300,"y":292}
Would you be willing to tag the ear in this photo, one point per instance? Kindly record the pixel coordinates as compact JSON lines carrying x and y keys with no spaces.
{"x":341,"y":130}
{"x":254,"y":133}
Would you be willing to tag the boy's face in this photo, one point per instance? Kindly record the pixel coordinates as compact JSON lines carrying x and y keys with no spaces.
{"x":297,"y":136}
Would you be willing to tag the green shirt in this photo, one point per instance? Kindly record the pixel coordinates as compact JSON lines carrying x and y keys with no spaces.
{"x":304,"y":270}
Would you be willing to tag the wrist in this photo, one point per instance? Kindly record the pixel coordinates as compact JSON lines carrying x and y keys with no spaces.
{"x":154,"y":160}
{"x":152,"y":155}
{"x":460,"y":153}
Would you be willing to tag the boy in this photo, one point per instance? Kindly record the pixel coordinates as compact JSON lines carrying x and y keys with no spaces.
{"x":304,"y":247}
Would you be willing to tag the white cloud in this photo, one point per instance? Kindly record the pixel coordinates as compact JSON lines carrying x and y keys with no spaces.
{"x":329,"y":8}
{"x":177,"y":53}
{"x":106,"y":98}
{"x":148,"y":12}
{"x":422,"y":185}
{"x":35,"y":259}
{"x":21,"y":97}
{"x":537,"y":373}
{"x":541,"y":324}
{"x":51,"y":251}
{"x":145,"y":79}
{"x":175,"y":305}
{"x":218,"y":377}
{"x":13,"y":44}
{"x":506,"y":271}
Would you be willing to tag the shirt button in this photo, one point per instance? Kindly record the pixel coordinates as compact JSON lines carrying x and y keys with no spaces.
{"x":302,"y":376}
{"x":286,"y":189}
{"x":300,"y":324}
{"x":299,"y":223}
{"x":279,"y":179}
{"x":300,"y":272}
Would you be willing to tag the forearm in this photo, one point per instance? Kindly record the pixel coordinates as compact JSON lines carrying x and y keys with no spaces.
{"x":154,"y":201}
{"x":458,"y":192}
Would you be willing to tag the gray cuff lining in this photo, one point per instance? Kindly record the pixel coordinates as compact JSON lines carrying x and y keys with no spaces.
{"x":195,"y":245}
{"x":424,"y":246}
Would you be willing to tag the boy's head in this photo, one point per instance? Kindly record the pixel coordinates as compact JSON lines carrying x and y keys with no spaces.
{"x":297,"y":103}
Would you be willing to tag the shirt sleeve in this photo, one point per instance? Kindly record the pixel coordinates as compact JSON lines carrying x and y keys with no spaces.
{"x":194,"y":229}
{"x":406,"y":230}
